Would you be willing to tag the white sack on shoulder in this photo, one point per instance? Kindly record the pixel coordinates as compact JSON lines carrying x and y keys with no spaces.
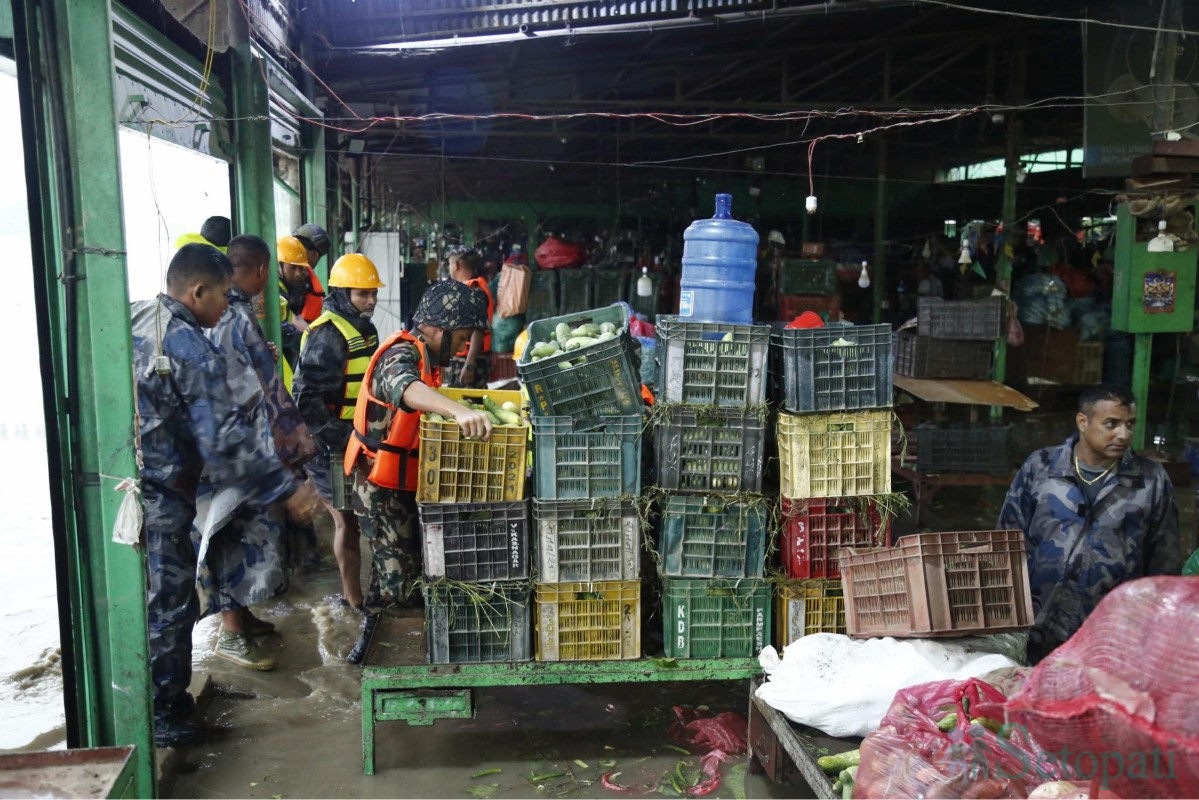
{"x":844,"y":686}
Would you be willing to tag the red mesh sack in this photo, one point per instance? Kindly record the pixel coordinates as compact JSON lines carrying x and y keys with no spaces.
{"x":1123,"y":693}
{"x":910,"y":756}
{"x":555,"y":253}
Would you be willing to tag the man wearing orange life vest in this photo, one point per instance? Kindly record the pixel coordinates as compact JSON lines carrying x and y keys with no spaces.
{"x":316,"y":243}
{"x":398,"y":386}
{"x":471,"y":366}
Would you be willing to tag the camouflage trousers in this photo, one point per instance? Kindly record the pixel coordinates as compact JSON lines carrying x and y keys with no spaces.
{"x":388,"y":520}
{"x":244,"y":564}
{"x":171,"y":604}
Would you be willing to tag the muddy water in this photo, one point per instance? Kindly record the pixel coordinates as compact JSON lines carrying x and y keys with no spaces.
{"x":297,"y":732}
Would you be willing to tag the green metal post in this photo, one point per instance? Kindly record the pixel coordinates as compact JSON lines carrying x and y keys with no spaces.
{"x":880,"y":234}
{"x":1142,"y":344}
{"x":316,"y":200}
{"x":355,"y":207}
{"x":253,"y":170}
{"x":66,"y":71}
{"x":1003,"y":265}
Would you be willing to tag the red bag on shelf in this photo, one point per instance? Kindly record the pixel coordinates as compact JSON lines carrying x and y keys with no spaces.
{"x":1121,"y":697}
{"x":555,"y":253}
{"x":910,"y":756}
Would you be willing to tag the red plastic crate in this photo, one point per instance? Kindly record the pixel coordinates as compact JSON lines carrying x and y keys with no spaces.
{"x":814,"y":530}
{"x":503,"y":367}
{"x":792,"y":305}
{"x":938,"y":584}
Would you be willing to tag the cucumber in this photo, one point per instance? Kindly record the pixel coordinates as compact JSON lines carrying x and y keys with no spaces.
{"x":562,"y":334}
{"x":545,"y":349}
{"x":579,"y":342}
{"x":510,"y":406}
{"x":839,"y":762}
{"x":605,"y":336}
{"x":589,"y":329}
{"x":499,"y":414}
{"x":607,"y":327}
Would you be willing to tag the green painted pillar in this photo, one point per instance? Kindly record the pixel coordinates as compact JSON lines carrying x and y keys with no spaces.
{"x":66,"y":75}
{"x":1142,"y":350}
{"x":1003,"y":264}
{"x":880,"y":234}
{"x":253,"y":169}
{"x":316,"y":198}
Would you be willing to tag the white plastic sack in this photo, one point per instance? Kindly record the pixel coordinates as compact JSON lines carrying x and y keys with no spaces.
{"x":127,"y":528}
{"x":844,"y":686}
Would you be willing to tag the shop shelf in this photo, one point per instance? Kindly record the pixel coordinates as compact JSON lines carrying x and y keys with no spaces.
{"x":815,"y":530}
{"x":587,"y":540}
{"x":834,"y":455}
{"x":960,"y":319}
{"x":939,"y":584}
{"x":710,"y":450}
{"x":807,"y":276}
{"x":603,"y":379}
{"x":609,"y":286}
{"x":806,"y":607}
{"x":708,"y":537}
{"x":575,"y":289}
{"x":792,"y":305}
{"x":598,"y":457}
{"x":588,"y":621}
{"x":715,"y":619}
{"x":543,"y":295}
{"x":487,"y":623}
{"x":925,"y":357}
{"x":711,"y":364}
{"x":454,"y":469}
{"x":476,"y":542}
{"x":979,"y":449}
{"x":837,"y":368}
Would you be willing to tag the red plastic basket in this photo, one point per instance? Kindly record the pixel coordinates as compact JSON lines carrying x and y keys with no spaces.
{"x":792,"y":305}
{"x":503,"y":367}
{"x":814,"y":530}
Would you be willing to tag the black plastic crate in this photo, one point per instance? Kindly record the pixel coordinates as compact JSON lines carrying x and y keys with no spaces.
{"x":925,"y":357}
{"x":543,"y":295}
{"x":608,"y":286}
{"x":807,"y":276}
{"x":476,"y":542}
{"x":490,"y":623}
{"x":704,"y":363}
{"x":710,"y":450}
{"x":979,"y":449}
{"x":960,"y":319}
{"x":575,"y":291}
{"x":835,"y":368}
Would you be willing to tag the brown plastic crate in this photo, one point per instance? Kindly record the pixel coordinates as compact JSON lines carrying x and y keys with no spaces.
{"x":938,"y":584}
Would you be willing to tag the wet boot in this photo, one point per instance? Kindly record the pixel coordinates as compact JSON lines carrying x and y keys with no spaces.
{"x":254,"y":626}
{"x":175,"y":732}
{"x":369,"y":623}
{"x":238,"y":648}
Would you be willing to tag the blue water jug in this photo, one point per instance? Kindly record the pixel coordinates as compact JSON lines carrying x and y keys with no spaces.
{"x":720,"y":256}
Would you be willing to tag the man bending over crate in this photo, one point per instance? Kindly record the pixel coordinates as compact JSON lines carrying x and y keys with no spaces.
{"x":1094,"y":515}
{"x":398,"y":385}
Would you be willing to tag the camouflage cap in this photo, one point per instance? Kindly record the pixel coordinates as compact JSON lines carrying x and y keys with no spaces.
{"x":452,"y":306}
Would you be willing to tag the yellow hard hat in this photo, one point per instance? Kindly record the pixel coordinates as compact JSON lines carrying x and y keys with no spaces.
{"x":195,"y":238}
{"x":518,"y":347}
{"x":292,"y":251}
{"x":354,"y":271}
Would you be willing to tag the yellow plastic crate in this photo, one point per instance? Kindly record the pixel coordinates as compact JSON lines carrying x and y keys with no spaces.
{"x":598,"y":621}
{"x":806,"y":607}
{"x":457,"y":470}
{"x":835,"y":455}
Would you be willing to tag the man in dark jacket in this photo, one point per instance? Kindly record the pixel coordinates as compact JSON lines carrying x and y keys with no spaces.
{"x":187,"y":422}
{"x":1094,"y":515}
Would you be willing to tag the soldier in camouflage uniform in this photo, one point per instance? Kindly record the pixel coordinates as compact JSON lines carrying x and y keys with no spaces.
{"x":1094,"y":515}
{"x":187,"y":420}
{"x":397,"y":387}
{"x":240,"y":546}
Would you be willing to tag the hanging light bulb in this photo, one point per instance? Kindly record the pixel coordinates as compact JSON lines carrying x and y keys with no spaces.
{"x":645,"y":286}
{"x":927,"y":252}
{"x":965,"y":258}
{"x":864,"y":277}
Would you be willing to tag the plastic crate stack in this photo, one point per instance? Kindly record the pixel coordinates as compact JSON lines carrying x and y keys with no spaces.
{"x":710,"y":438}
{"x":955,"y":339}
{"x":587,"y":420}
{"x":834,"y":443}
{"x":475,"y":524}
{"x":808,"y":285}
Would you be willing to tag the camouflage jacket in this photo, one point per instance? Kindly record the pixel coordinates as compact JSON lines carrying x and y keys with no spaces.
{"x":397,"y":369}
{"x":320,"y":378}
{"x":190,"y":419}
{"x":240,"y":336}
{"x":1077,"y":554}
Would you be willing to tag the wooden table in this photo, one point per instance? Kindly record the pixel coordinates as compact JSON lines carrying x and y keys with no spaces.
{"x":926,"y":485}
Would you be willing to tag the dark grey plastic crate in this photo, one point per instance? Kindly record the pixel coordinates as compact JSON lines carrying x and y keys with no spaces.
{"x":835,"y":368}
{"x":960,"y":319}
{"x":979,"y":449}
{"x":807,"y":276}
{"x":704,"y":363}
{"x":926,"y":357}
{"x":716,"y":450}
{"x":491,"y":623}
{"x":476,"y":542}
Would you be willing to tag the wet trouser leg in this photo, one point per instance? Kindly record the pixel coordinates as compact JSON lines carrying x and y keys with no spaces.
{"x":171,"y":604}
{"x":390,"y":525}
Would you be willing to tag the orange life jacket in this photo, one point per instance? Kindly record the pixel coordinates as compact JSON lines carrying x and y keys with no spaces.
{"x":395,"y":461}
{"x":313,"y":301}
{"x":479,"y":283}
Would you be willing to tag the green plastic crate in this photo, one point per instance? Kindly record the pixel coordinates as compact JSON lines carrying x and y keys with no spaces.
{"x":575,"y":291}
{"x":715,"y":619}
{"x":493,"y":623}
{"x":575,"y":459}
{"x":805,"y":276}
{"x":543,"y":295}
{"x":707,"y":537}
{"x":602,"y":381}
